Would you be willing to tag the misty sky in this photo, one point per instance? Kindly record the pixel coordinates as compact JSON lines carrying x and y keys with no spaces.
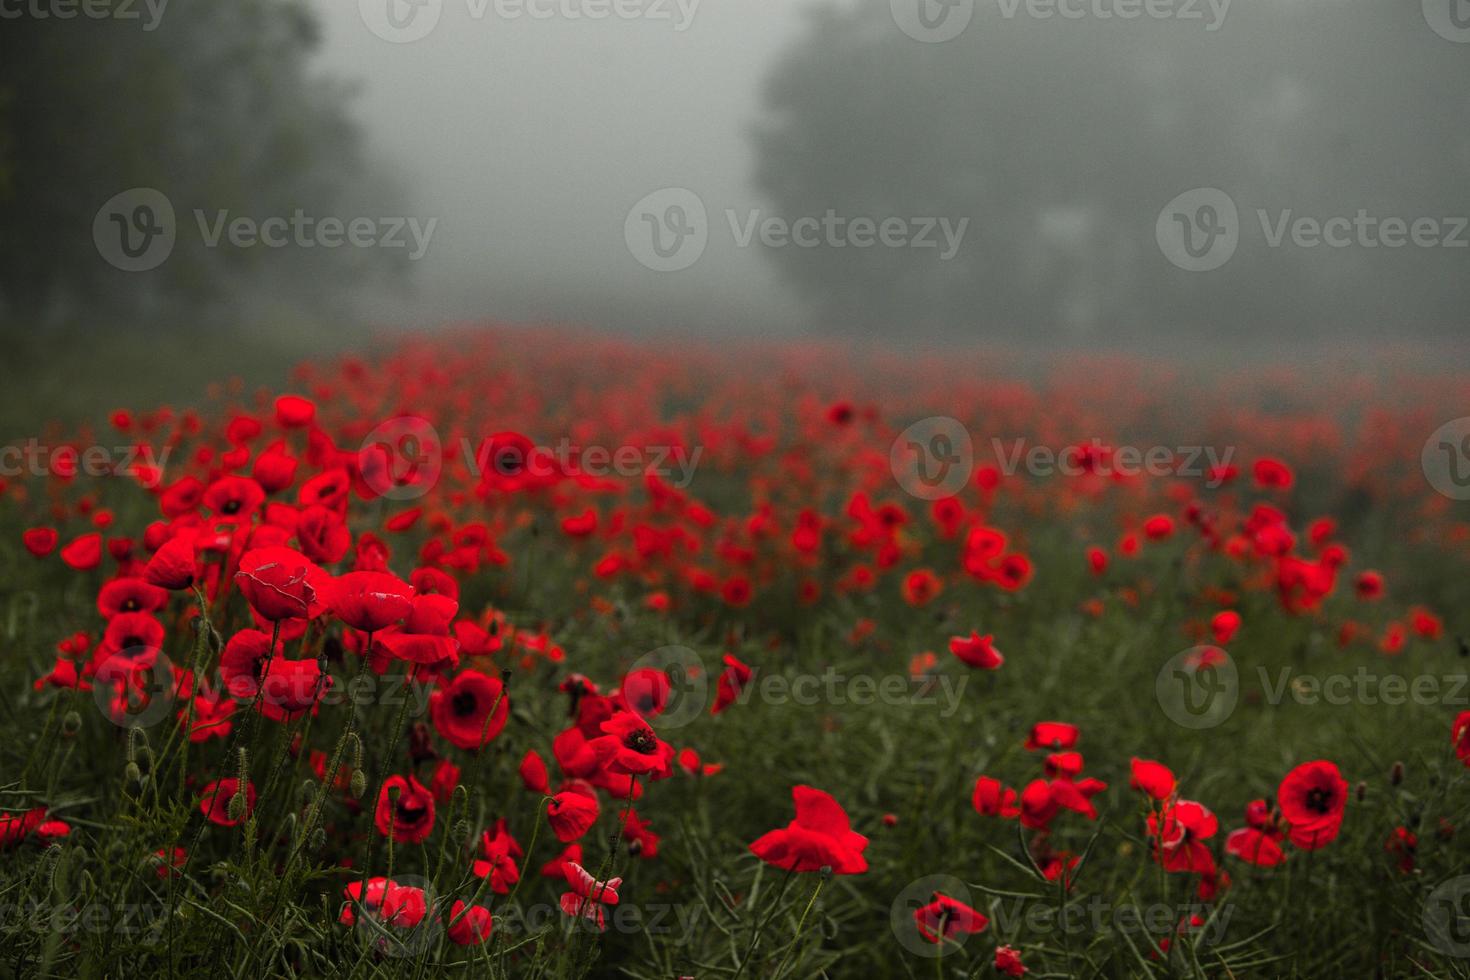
{"x":531,"y":139}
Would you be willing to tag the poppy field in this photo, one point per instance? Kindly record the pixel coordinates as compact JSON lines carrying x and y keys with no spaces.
{"x":520,"y":652}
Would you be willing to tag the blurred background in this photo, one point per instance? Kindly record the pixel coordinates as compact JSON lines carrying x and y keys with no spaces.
{"x":187,"y":187}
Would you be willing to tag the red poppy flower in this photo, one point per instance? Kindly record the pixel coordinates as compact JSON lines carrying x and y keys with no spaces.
{"x":645,"y":691}
{"x":408,"y":816}
{"x":323,"y":535}
{"x":280,"y":583}
{"x":977,"y":651}
{"x":294,"y":412}
{"x":642,"y":841}
{"x":1312,"y":798}
{"x":129,"y":595}
{"x":533,"y":772}
{"x":1008,"y":962}
{"x":392,"y":904}
{"x":557,"y":866}
{"x":993,"y":799}
{"x":469,"y":926}
{"x":1255,"y":846}
{"x":174,"y":565}
{"x":1051,"y":735}
{"x":290,"y":687}
{"x":732,"y":680}
{"x":40,"y":541}
{"x":921,"y":587}
{"x":588,"y":895}
{"x":370,"y":601}
{"x":820,"y":837}
{"x":944,"y":918}
{"x":571,"y":815}
{"x":1153,"y":778}
{"x":499,"y":862}
{"x":1460,"y":736}
{"x":630,"y":748}
{"x":1180,"y":835}
{"x":471,"y":710}
{"x":1224,"y":626}
{"x":215,"y":803}
{"x":233,"y":497}
{"x":242,"y":664}
{"x":84,"y":553}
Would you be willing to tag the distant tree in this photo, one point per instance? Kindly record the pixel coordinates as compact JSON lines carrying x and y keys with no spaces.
{"x":1062,"y":140}
{"x":215,"y":106}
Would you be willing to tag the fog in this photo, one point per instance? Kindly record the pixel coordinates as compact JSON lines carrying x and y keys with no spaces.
{"x":530,"y":140}
{"x":1082,"y":172}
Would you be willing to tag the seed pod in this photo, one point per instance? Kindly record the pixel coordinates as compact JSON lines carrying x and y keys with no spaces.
{"x":1396,"y":774}
{"x":71,"y":723}
{"x":1362,"y":791}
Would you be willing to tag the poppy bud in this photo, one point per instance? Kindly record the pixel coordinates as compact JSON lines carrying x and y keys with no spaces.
{"x":71,"y":723}
{"x":317,"y":840}
{"x":236,"y":809}
{"x":358,"y":784}
{"x":132,"y":775}
{"x":289,"y":831}
{"x":1396,"y":774}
